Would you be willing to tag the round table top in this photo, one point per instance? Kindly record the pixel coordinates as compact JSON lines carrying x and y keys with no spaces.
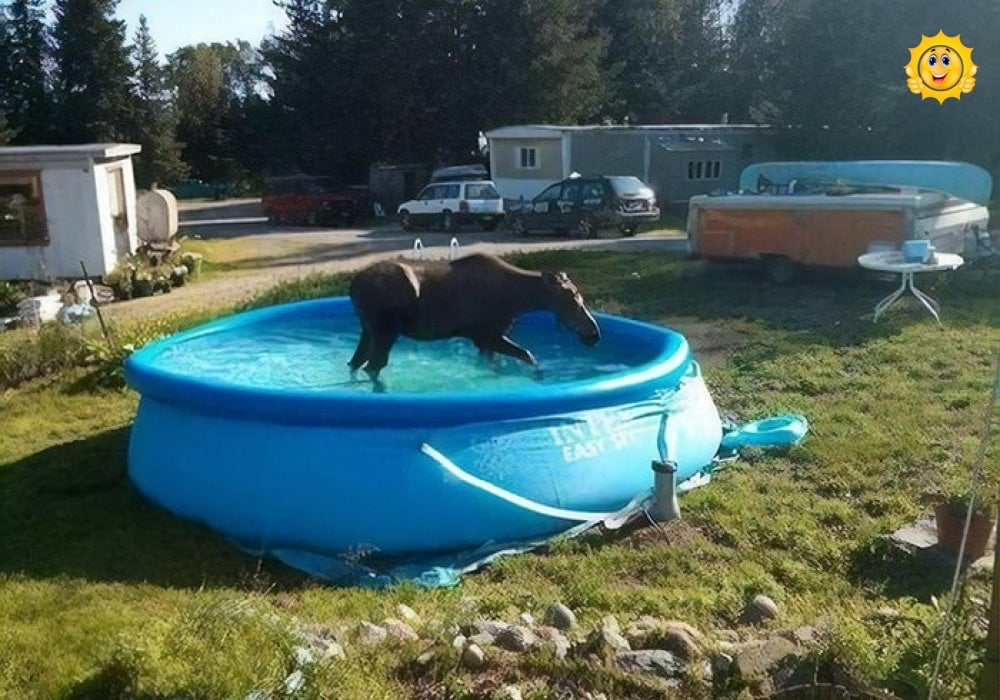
{"x":893,"y":261}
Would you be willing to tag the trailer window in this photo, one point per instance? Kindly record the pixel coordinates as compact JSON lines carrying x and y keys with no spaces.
{"x":528,"y":158}
{"x":22,"y":215}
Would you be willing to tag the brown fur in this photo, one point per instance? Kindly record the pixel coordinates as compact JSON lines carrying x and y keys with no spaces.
{"x":475,"y":297}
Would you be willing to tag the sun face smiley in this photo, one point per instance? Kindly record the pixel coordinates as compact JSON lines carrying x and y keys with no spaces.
{"x":940,"y":68}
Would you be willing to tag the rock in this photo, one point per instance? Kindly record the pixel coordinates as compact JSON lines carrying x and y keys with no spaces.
{"x":303,"y":656}
{"x":459,"y":642}
{"x":722,"y":664}
{"x":511,"y":692}
{"x":294,"y":682}
{"x":638,"y":632}
{"x":560,"y":617}
{"x":550,"y":635}
{"x":759,"y":609}
{"x":407,"y":613}
{"x":516,"y":638}
{"x":473,"y":657}
{"x":804,"y":636}
{"x":490,"y":627}
{"x":370,"y":634}
{"x":426,"y":658}
{"x":322,"y":640}
{"x":400,"y":630}
{"x":680,"y":641}
{"x":983,"y":565}
{"x":656,"y":661}
{"x":259,"y":695}
{"x":757,"y":659}
{"x":606,"y":640}
{"x":528,"y":619}
{"x":483,"y":639}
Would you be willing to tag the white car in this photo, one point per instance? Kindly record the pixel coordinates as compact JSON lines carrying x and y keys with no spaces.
{"x":447,"y":205}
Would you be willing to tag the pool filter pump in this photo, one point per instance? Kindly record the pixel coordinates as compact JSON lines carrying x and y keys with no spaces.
{"x":665,"y":506}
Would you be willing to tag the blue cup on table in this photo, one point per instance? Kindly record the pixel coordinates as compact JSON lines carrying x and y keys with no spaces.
{"x":917,"y":250}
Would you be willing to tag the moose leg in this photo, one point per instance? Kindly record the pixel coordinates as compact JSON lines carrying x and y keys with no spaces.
{"x":362,"y":352}
{"x":506,"y":346}
{"x":384,"y":336}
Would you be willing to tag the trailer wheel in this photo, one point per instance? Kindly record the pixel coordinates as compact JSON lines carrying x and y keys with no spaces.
{"x":780,"y":269}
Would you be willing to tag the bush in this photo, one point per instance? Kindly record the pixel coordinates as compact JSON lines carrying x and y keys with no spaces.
{"x":11,"y":293}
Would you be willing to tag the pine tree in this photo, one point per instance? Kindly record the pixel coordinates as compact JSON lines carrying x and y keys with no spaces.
{"x":92,"y":71}
{"x":154,"y":122}
{"x":29,"y":96}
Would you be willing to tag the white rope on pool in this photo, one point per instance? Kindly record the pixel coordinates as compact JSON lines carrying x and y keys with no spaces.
{"x":520,"y":501}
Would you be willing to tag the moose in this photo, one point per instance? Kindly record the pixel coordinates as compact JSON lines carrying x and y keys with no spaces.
{"x":476,"y":297}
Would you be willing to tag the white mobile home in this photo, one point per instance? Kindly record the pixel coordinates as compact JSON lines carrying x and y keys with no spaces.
{"x":60,"y":205}
{"x":677,"y":160}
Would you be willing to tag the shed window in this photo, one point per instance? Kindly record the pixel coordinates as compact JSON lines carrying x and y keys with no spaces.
{"x":528,"y":158}
{"x":704,"y":169}
{"x":22,"y":216}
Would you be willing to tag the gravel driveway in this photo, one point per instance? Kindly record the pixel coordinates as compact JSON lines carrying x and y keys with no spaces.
{"x":269,"y":255}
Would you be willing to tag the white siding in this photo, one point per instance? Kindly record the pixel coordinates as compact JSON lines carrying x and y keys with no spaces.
{"x":78,"y":220}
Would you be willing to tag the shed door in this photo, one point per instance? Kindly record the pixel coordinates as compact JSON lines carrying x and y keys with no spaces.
{"x":119,"y":211}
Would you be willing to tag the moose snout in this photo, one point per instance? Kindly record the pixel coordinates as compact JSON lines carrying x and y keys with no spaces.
{"x":590,"y":338}
{"x":588,"y":331}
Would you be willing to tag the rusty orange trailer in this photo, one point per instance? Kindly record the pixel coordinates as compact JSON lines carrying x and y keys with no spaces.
{"x":788,"y":230}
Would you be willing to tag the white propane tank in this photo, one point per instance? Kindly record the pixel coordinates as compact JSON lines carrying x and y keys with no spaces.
{"x":156,"y":214}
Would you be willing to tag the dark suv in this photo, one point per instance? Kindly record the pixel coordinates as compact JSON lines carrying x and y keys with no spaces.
{"x":585,"y":205}
{"x":313,"y":201}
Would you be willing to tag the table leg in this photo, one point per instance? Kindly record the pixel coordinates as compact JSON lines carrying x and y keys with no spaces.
{"x":881,"y":307}
{"x":929,"y":303}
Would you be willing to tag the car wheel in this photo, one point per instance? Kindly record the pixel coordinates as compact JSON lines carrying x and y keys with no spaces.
{"x":488,"y":225}
{"x":586,"y":228}
{"x":447,"y":221}
{"x":627,"y":230}
{"x":406,"y":221}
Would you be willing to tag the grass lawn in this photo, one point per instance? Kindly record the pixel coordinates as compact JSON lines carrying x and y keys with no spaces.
{"x":103,"y":595}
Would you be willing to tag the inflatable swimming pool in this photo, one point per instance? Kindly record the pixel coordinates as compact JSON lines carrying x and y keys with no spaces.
{"x":253,"y":426}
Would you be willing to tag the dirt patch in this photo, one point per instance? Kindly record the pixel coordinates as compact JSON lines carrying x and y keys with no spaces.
{"x":711,"y":344}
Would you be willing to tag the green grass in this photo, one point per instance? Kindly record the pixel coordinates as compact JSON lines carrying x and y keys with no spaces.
{"x":104,"y":595}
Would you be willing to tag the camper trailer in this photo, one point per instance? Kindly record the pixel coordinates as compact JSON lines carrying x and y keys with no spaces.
{"x":828,"y":214}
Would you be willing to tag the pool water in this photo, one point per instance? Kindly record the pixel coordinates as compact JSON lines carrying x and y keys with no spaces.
{"x":312,"y":354}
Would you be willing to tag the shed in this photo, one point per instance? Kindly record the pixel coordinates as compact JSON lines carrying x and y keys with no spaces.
{"x":392,"y":184}
{"x":677,"y":160}
{"x":63,"y":204}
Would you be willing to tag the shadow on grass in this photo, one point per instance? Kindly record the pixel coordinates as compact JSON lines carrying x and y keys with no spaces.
{"x":899,"y":574}
{"x":830,"y":307}
{"x":71,"y":510}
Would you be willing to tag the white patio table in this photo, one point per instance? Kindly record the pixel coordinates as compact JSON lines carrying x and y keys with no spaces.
{"x":893,"y":261}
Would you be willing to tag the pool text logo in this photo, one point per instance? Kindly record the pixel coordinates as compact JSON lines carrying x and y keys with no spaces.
{"x":594,"y":435}
{"x":940,"y":67}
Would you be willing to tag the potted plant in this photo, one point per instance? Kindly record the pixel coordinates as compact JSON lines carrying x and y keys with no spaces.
{"x":950,"y":512}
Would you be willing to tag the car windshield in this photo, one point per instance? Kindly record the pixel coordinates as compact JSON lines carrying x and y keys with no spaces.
{"x":629,"y":186}
{"x":481,"y":191}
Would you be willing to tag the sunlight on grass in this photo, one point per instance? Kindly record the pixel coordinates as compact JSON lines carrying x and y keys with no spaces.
{"x":100,"y":590}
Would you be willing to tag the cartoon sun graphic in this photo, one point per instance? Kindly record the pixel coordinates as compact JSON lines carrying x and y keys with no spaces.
{"x":940,"y":67}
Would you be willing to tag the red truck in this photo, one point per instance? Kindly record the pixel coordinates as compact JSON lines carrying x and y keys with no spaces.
{"x":313,"y":201}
